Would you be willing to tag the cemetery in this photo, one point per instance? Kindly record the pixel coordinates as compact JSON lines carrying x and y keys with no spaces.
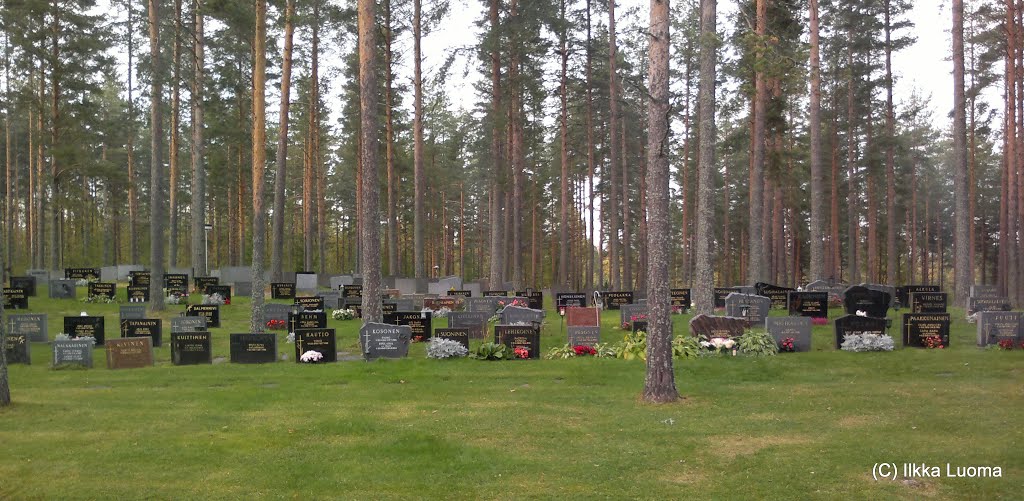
{"x":379,"y":378}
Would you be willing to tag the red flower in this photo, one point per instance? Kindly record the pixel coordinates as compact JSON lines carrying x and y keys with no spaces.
{"x":582,"y":351}
{"x":521,"y":352}
{"x":1006,"y":344}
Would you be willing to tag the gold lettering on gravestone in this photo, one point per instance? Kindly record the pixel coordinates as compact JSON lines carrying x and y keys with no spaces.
{"x":256,"y":347}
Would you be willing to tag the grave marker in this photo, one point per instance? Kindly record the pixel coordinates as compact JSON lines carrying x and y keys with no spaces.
{"x":420,"y":323}
{"x":872,"y":301}
{"x":201,"y":283}
{"x":191,"y":348}
{"x":188,"y":324}
{"x":210,"y":311}
{"x":582,"y":317}
{"x":384,"y":340}
{"x":72,"y":352}
{"x":15,"y":299}
{"x":808,"y":304}
{"x":253,"y":348}
{"x":138,"y":293}
{"x":680,"y":298}
{"x":85,"y":326}
{"x":143,"y":327}
{"x":460,"y":336}
{"x":798,"y":328}
{"x":978,"y":304}
{"x":517,"y":314}
{"x":176,"y":282}
{"x":584,"y":335}
{"x":571,"y":299}
{"x":282,"y":290}
{"x":28,"y":284}
{"x":32,"y":325}
{"x":777,"y":294}
{"x":132,"y":312}
{"x":475,"y":322}
{"x":310,"y":303}
{"x":318,"y":340}
{"x":517,"y":336}
{"x":903,"y":293}
{"x":614,"y":300}
{"x":18,"y":349}
{"x":928,"y":302}
{"x":751,"y":307}
{"x":129,"y":353}
{"x":720,"y":293}
{"x":139,"y":278}
{"x":82,"y":273}
{"x":62,"y":289}
{"x":307,"y":320}
{"x":855,"y":324}
{"x":917,"y":326}
{"x":994,"y":326}
{"x":717,"y":327}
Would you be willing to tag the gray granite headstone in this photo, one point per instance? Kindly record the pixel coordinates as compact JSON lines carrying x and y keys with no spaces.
{"x":33,"y":325}
{"x":798,"y":328}
{"x":628,"y":311}
{"x":243,"y":289}
{"x":994,"y":326}
{"x":132,"y":312}
{"x":475,"y":288}
{"x":481,"y":304}
{"x":63,"y":289}
{"x":406,"y":285}
{"x":188,"y":324}
{"x":888,"y":289}
{"x":232,"y":274}
{"x":756,"y":307}
{"x":337,"y":282}
{"x":402,"y":304}
{"x":384,"y":340}
{"x":584,"y":336}
{"x":42,"y":276}
{"x":976,"y":304}
{"x":331,"y":298}
{"x":516,"y":314}
{"x":18,"y":349}
{"x":306,"y":282}
{"x":277,"y":311}
{"x":108,"y":274}
{"x":476,"y":322}
{"x":984,"y":291}
{"x":72,"y":352}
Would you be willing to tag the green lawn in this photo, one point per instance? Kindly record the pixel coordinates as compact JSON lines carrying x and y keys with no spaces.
{"x":795,"y":426}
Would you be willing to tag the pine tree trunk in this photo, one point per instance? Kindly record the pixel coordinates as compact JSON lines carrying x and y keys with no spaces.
{"x":817,"y":176}
{"x":281,"y":176}
{"x":417,"y":127}
{"x":497,"y":265}
{"x":589,"y":283}
{"x":852,"y":201}
{"x":703,"y":300}
{"x":368,"y":153}
{"x":890,"y":160}
{"x":259,"y":154}
{"x":756,"y":269}
{"x":563,"y":224}
{"x":172,"y":241}
{"x":156,"y":177}
{"x":199,"y":233}
{"x":389,"y":146}
{"x":963,"y":268}
{"x":627,"y":236}
{"x":612,"y":174}
{"x":1007,"y":222}
{"x":514,"y":233}
{"x":309,"y":172}
{"x":133,"y":196}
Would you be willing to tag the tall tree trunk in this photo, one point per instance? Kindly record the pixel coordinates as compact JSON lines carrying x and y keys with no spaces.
{"x":563,"y":226}
{"x":309,"y":173}
{"x":817,"y":176}
{"x":659,"y":383}
{"x":172,"y":242}
{"x":55,"y":196}
{"x":613,"y":121}
{"x":1008,"y":227}
{"x":852,"y":230}
{"x":133,"y":196}
{"x":368,"y":153}
{"x":5,"y":385}
{"x":834,"y":272}
{"x":890,"y":161}
{"x":756,"y":270}
{"x":627,"y":237}
{"x":514,"y":237}
{"x":199,"y":233}
{"x":281,"y":177}
{"x":963,"y":268}
{"x":259,"y":160}
{"x":590,"y":162}
{"x":703,"y":300}
{"x":419,"y":179}
{"x":156,"y":201}
{"x":497,"y":268}
{"x":389,"y":146}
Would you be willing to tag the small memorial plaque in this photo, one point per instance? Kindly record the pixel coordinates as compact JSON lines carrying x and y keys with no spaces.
{"x":104,"y":289}
{"x":474,"y":321}
{"x":717,"y":327}
{"x":72,"y":352}
{"x":188,"y":324}
{"x":253,"y":348}
{"x":191,"y":348}
{"x":32,"y":325}
{"x":808,"y":304}
{"x":210,"y":311}
{"x":82,"y":273}
{"x":15,"y":299}
{"x":459,"y":293}
{"x":460,"y":336}
{"x":797,"y":328}
{"x":143,"y":327}
{"x":277,"y":311}
{"x":918,"y":327}
{"x":282,"y":290}
{"x":18,"y":349}
{"x":615,"y":299}
{"x":496,"y":293}
{"x":384,"y":340}
{"x":854,"y":324}
{"x":978,"y":291}
{"x":567,"y":299}
{"x":132,"y":312}
{"x":138,"y":278}
{"x":481,"y":304}
{"x":351,"y":291}
{"x":318,"y":340}
{"x":584,"y":335}
{"x":129,"y":353}
{"x":85,"y":327}
{"x":518,"y":337}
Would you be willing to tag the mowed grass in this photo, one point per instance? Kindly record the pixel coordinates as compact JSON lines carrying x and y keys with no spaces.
{"x":795,"y":426}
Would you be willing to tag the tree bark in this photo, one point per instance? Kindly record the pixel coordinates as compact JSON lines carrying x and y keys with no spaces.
{"x":659,"y":383}
{"x":890,"y":160}
{"x":563,"y":226}
{"x":281,"y":176}
{"x":172,"y":241}
{"x":627,"y":237}
{"x":419,"y":266}
{"x":589,"y":283}
{"x":703,"y":300}
{"x":156,"y":200}
{"x":259,"y":159}
{"x":5,"y":385}
{"x":963,"y":268}
{"x":199,"y":234}
{"x":368,"y":153}
{"x":309,"y":201}
{"x":612,"y":174}
{"x":817,"y":176}
{"x":756,"y":270}
{"x":389,"y":146}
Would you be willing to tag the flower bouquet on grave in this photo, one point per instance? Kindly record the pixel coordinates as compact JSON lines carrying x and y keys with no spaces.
{"x":276,"y":324}
{"x":214,"y":299}
{"x":583,"y":351}
{"x":787,"y":345}
{"x":311,"y":357}
{"x":720,"y":344}
{"x":445,"y":348}
{"x":819,"y":320}
{"x":932,"y":342}
{"x":175,"y":297}
{"x":343,"y":314}
{"x":1006,"y":344}
{"x":521,"y":352}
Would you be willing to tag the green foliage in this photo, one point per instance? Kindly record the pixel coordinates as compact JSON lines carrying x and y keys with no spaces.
{"x":685,"y":347}
{"x":633,"y":346}
{"x":492,"y":351}
{"x":560,"y":352}
{"x":757,"y":343}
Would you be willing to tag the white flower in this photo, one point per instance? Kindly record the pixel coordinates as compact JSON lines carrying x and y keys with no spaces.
{"x":862,"y":313}
{"x":729,"y":343}
{"x":291,"y":337}
{"x":705,"y":344}
{"x":311,"y":356}
{"x":84,"y":314}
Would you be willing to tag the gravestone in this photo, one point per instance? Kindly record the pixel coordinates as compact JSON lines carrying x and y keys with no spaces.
{"x":85,"y":326}
{"x":584,"y":335}
{"x":638,"y":326}
{"x":337,"y":282}
{"x":32,"y":325}
{"x":82,"y":273}
{"x":332,"y":299}
{"x":474,"y":288}
{"x":306,"y":282}
{"x":407,"y":286}
{"x":28,"y":284}
{"x":139,"y":278}
{"x":243,"y":289}
{"x":210,"y":311}
{"x":613,"y":300}
{"x":307,"y":320}
{"x":352,"y":293}
{"x":402,"y":304}
{"x":223,"y":290}
{"x":318,"y":340}
{"x":979,"y":291}
{"x":460,"y":336}
{"x":62,"y":289}
{"x":855,"y":324}
{"x":496,"y":293}
{"x":201,"y":283}
{"x":903,"y":293}
{"x":253,"y":348}
{"x":129,"y":353}
{"x":108,"y":273}
{"x":534,"y":298}
{"x":516,"y":314}
{"x":282,"y":290}
{"x":777,"y":294}
{"x":888,"y":289}
{"x":41,"y":276}
{"x":421,"y":323}
{"x":582,"y":317}
{"x":143,"y":327}
{"x":450,"y":302}
{"x":994,"y":326}
{"x":872,"y":301}
{"x":629,"y":313}
{"x":747,"y":289}
{"x":188,"y":324}
{"x":751,"y":307}
{"x":518,"y":336}
{"x":132,"y":312}
{"x":459,"y":293}
{"x":978,"y":304}
{"x":680,"y":298}
{"x":720,"y":327}
{"x":928,"y":302}
{"x":138,"y":293}
{"x":277,"y":311}
{"x":720,"y":293}
{"x":808,"y":304}
{"x":571,"y":299}
{"x":232,"y":274}
{"x":798,"y":328}
{"x":309,"y":303}
{"x":176,"y":282}
{"x":72,"y":352}
{"x":18,"y":349}
{"x":384,"y":340}
{"x":15,"y":299}
{"x":103,"y":289}
{"x":917,"y":326}
{"x":191,"y":348}
{"x":474,"y":321}
{"x":481,"y":304}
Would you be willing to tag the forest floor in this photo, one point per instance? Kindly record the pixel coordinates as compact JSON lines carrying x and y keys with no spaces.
{"x":794,"y":426}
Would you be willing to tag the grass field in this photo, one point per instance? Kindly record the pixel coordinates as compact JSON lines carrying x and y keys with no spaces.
{"x":795,"y":426}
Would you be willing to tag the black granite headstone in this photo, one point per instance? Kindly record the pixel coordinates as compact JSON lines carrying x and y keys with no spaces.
{"x":613,"y":300}
{"x":307,"y":320}
{"x":18,"y":349}
{"x":201,"y":283}
{"x":27,"y":283}
{"x":32,"y":325}
{"x":720,"y":293}
{"x":253,"y":348}
{"x":778,"y":295}
{"x":918,"y":326}
{"x":808,"y":304}
{"x":139,"y":278}
{"x":310,"y":303}
{"x":85,"y":326}
{"x":567,"y":299}
{"x":475,"y":321}
{"x":191,"y":348}
{"x":519,"y":337}
{"x":319,"y":340}
{"x":871,"y":301}
{"x":421,"y":323}
{"x":188,"y":324}
{"x":176,"y":282}
{"x":138,"y":293}
{"x":15,"y":299}
{"x":104,"y":289}
{"x":282,"y":290}
{"x":855,"y":324}
{"x":143,"y":327}
{"x":210,"y":311}
{"x":680,"y":298}
{"x":223,"y":290}
{"x":928,"y":302}
{"x":82,"y":273}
